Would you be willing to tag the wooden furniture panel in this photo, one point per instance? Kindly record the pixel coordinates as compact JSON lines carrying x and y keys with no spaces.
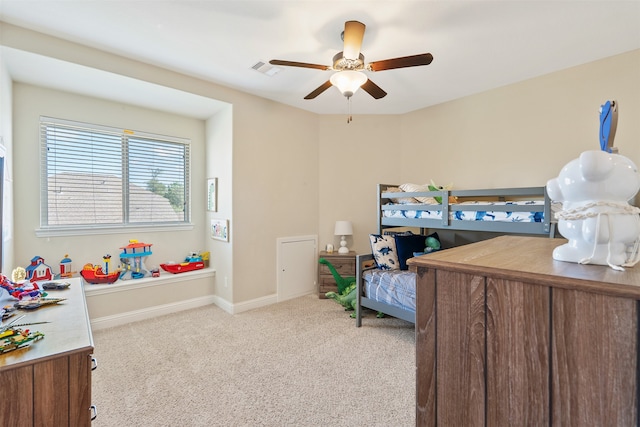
{"x":345,"y":265}
{"x":49,"y":382}
{"x":80,"y":389}
{"x":460,"y":349}
{"x":425,"y":344}
{"x":595,"y":343}
{"x":17,"y":411}
{"x":560,"y":340}
{"x":517,"y":353}
{"x":51,"y":392}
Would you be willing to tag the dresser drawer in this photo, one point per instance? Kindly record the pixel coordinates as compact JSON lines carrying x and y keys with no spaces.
{"x":345,"y":265}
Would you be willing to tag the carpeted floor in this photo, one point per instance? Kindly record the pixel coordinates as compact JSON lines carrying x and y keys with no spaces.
{"x":301,"y":362}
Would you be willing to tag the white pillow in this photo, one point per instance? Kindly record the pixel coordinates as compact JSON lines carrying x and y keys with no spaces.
{"x":384,"y":252}
{"x":417,"y":188}
{"x":400,"y":200}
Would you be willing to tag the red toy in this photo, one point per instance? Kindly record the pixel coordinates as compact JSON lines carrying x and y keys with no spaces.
{"x":38,"y":270}
{"x":94,"y":274}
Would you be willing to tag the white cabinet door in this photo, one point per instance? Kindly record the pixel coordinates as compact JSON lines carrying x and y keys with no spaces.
{"x":297,"y":266}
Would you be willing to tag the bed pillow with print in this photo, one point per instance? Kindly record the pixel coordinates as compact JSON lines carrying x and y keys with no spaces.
{"x":384,"y":251}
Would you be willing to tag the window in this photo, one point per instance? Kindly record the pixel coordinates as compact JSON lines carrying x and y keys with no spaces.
{"x":95,"y":177}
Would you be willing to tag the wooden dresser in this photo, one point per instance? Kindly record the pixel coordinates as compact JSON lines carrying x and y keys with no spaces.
{"x":49,"y":383}
{"x":505,"y":335}
{"x":345,"y":265}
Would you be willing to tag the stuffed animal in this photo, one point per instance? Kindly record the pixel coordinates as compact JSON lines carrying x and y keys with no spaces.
{"x":433,"y":187}
{"x":347,"y":298}
{"x":341,"y":282}
{"x":346,"y":295}
{"x":597,"y":219}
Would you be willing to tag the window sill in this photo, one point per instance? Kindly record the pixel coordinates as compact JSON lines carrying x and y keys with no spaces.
{"x":86,"y":231}
{"x":124,"y":285}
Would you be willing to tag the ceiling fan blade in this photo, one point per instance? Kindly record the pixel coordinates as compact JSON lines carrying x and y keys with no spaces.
{"x":373,"y":89}
{"x":353,"y":35}
{"x":324,"y":86}
{"x":298,"y":64}
{"x":405,"y":61}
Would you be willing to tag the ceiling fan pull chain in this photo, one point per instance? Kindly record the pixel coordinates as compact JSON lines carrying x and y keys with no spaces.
{"x":349,"y":118}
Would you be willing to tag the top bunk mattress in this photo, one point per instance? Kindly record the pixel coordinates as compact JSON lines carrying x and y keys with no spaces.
{"x":509,"y":211}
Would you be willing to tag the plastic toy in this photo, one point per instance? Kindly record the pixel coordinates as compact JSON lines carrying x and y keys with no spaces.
{"x":25,"y":290}
{"x":342,"y":282}
{"x":347,"y":289}
{"x":28,"y":294}
{"x":597,"y":219}
{"x":14,"y":338}
{"x":57,"y":286}
{"x":38,"y":270}
{"x":65,"y":267}
{"x":193,"y":261}
{"x":132,"y":259}
{"x":94,"y":274}
{"x":608,"y":125}
{"x":347,"y":299}
{"x":18,"y":275}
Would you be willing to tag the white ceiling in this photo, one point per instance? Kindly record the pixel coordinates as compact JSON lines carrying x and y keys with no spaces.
{"x":477,"y":45}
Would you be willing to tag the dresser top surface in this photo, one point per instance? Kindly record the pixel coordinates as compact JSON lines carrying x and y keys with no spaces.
{"x":530,"y":259}
{"x":67,"y":329}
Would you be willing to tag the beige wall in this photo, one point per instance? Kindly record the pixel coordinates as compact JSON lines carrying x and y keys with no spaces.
{"x":523,"y":134}
{"x":291,"y":173}
{"x":517,"y":135}
{"x":6,"y":142}
{"x":31,"y":102}
{"x":271,"y":165}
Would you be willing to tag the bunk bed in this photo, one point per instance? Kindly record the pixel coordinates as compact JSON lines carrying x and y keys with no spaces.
{"x":390,"y":289}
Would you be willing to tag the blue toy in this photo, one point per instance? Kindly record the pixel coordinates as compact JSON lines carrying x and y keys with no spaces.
{"x":608,"y":124}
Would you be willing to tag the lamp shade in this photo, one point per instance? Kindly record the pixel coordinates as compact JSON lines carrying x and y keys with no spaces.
{"x":348,"y":81}
{"x":343,"y":228}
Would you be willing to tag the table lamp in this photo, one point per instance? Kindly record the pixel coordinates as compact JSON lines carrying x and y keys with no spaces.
{"x":343,"y":228}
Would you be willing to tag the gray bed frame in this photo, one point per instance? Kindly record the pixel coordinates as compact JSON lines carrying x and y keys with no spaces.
{"x":426,"y":225}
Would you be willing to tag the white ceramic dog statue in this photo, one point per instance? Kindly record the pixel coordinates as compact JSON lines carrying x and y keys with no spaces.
{"x":596,"y":218}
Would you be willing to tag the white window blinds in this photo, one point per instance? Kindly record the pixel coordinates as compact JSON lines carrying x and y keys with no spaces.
{"x":98,"y":176}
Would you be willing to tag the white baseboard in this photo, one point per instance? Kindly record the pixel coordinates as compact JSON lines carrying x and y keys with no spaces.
{"x":147,"y":313}
{"x":159,"y":310}
{"x":253,"y":304}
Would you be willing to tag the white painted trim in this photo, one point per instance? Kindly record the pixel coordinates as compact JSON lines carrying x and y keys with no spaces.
{"x":150,"y":312}
{"x":159,"y":310}
{"x":165,"y":278}
{"x":253,"y":304}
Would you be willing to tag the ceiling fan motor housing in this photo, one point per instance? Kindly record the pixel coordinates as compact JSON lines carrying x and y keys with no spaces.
{"x":340,"y":63}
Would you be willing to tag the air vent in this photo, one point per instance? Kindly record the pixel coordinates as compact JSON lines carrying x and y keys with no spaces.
{"x":265,"y":68}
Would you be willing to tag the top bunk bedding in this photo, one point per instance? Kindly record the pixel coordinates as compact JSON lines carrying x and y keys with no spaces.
{"x":506,"y":210}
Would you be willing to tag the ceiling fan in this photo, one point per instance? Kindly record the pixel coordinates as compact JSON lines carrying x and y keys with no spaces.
{"x":350,"y":65}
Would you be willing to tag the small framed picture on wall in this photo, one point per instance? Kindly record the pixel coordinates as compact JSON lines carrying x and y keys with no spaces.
{"x":212,"y":194}
{"x":220,"y":229}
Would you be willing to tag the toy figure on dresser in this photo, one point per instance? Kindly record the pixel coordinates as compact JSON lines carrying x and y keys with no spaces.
{"x":38,"y":270}
{"x":13,"y":338}
{"x":66,"y":269}
{"x":193,"y":261}
{"x":28,"y":294}
{"x":132,"y":259}
{"x":595,"y":190}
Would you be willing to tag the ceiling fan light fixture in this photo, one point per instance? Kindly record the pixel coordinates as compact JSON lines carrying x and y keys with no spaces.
{"x":348,"y":81}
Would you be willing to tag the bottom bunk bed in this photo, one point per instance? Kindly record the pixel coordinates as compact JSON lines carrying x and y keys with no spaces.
{"x":385,"y":285}
{"x":392,"y":292}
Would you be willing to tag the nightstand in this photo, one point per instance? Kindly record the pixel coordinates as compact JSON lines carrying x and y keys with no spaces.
{"x":345,"y":265}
